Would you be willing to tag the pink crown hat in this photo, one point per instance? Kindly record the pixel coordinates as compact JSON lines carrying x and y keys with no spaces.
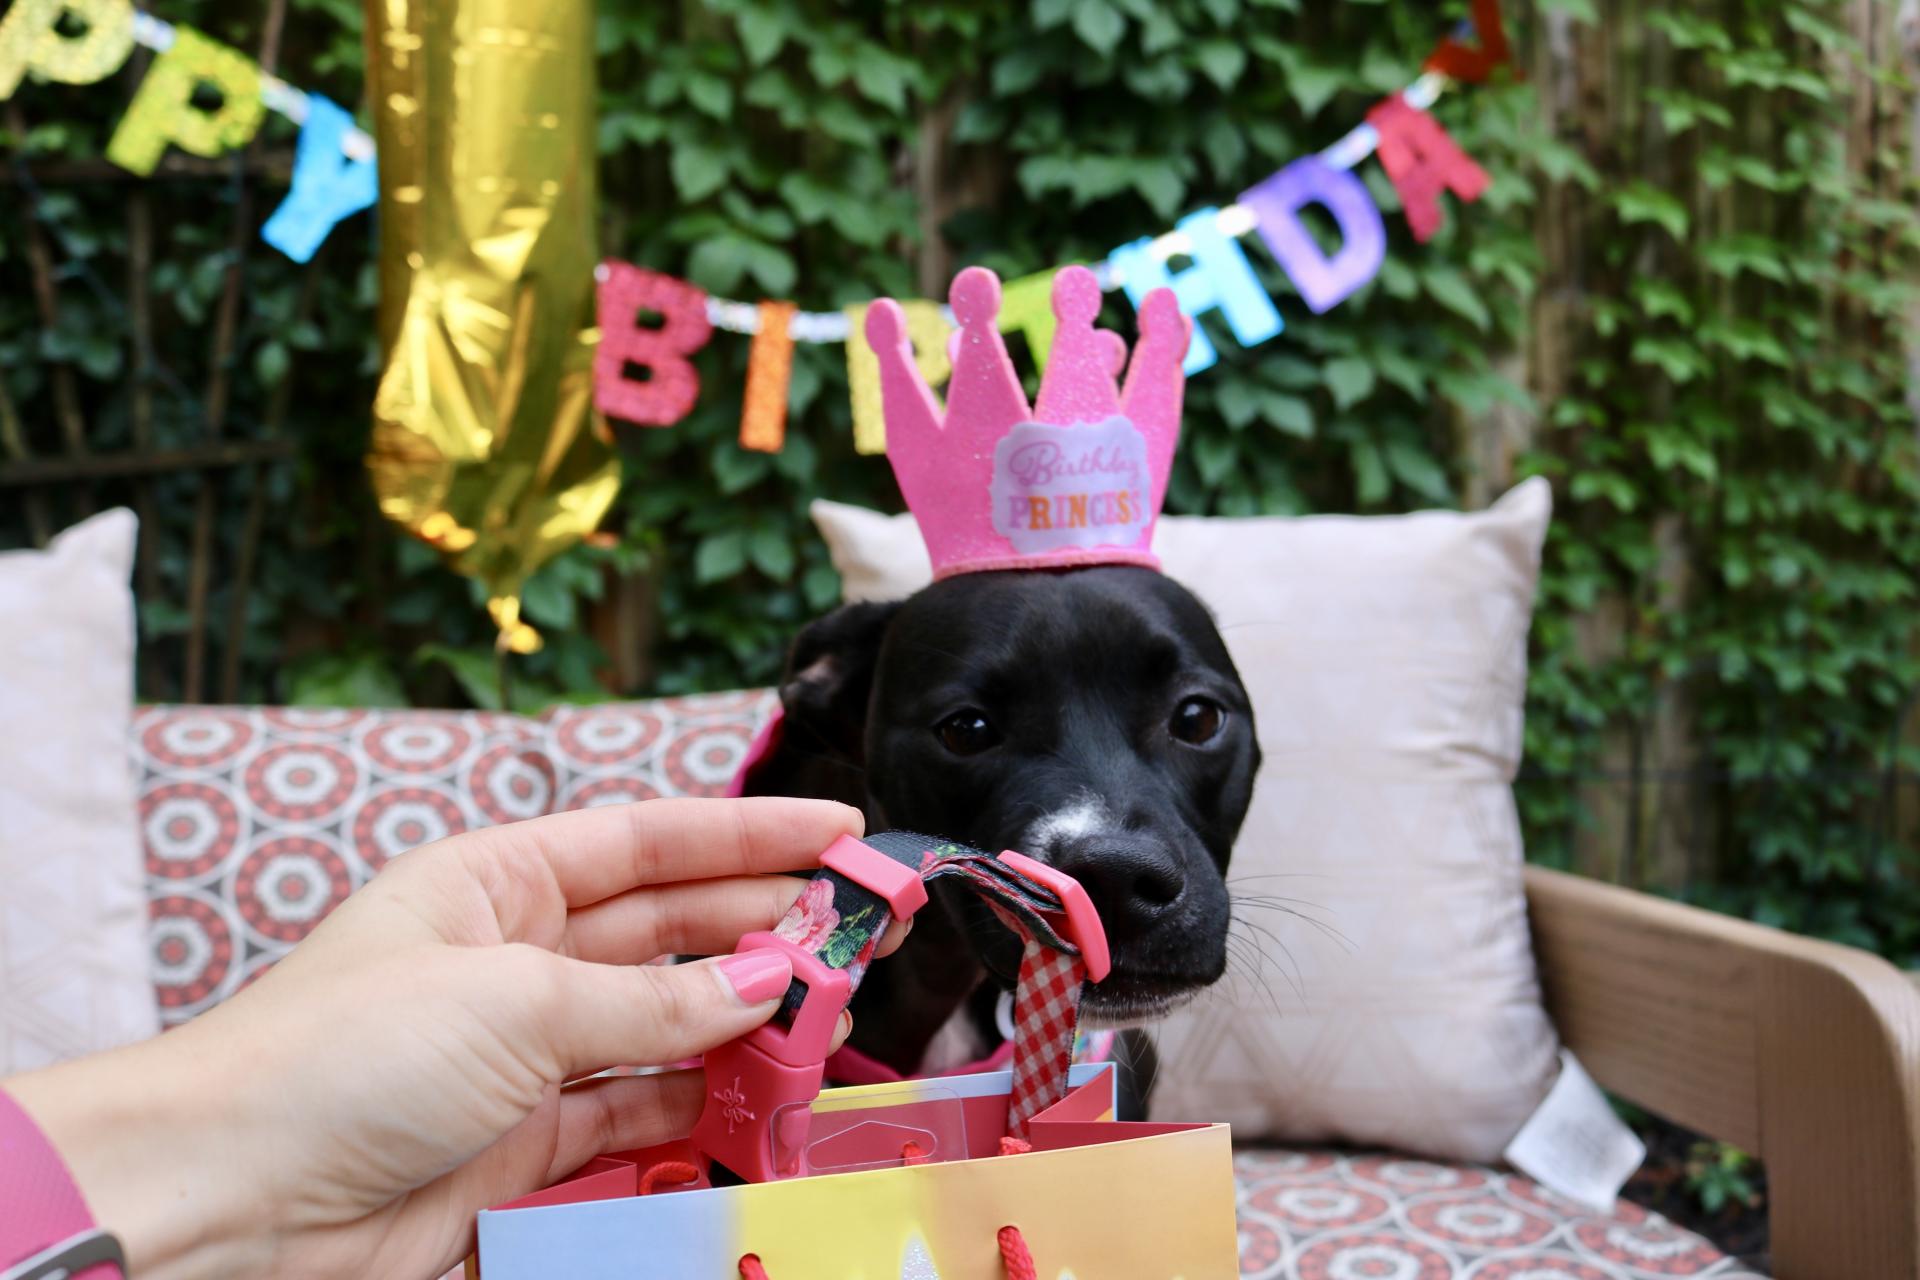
{"x":1077,"y":479}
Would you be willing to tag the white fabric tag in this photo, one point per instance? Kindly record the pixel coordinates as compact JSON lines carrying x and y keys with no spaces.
{"x":1574,"y":1145}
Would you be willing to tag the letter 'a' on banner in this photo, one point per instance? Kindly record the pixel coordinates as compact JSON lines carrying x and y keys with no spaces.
{"x":1422,"y":160}
{"x":31,"y":40}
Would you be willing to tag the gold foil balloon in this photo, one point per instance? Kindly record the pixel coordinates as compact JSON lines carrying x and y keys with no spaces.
{"x":485,"y":441}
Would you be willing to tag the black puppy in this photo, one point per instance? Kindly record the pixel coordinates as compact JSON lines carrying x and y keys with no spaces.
{"x":1090,"y":718}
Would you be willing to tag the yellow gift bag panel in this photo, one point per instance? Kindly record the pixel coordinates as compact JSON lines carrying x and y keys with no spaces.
{"x":1093,"y":1201}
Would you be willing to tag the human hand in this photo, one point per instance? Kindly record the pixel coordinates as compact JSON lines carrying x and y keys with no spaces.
{"x":403,"y":1068}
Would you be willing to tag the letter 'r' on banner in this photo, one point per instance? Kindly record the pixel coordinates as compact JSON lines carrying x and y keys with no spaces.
{"x":763,"y":418}
{"x":327,"y":183}
{"x":928,"y":330}
{"x":163,"y":110}
{"x":1276,"y":203}
{"x":30,"y":40}
{"x":1220,"y":278}
{"x":1422,"y":161}
{"x":667,"y":393}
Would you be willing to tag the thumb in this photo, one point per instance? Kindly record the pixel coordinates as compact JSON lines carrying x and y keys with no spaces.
{"x":603,"y":1015}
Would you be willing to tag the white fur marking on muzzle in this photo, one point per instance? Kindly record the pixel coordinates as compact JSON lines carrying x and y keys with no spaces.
{"x":1084,"y":817}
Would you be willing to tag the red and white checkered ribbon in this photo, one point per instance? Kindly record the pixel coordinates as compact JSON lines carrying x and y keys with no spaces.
{"x":1046,"y":1011}
{"x":842,"y":921}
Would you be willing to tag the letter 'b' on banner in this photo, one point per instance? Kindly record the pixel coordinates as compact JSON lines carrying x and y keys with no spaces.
{"x":672,"y":384}
{"x":30,"y":40}
{"x":1323,"y":282}
{"x":1422,"y":160}
{"x":163,"y":110}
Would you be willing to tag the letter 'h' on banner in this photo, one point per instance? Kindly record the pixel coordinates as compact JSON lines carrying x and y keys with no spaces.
{"x":1220,"y":278}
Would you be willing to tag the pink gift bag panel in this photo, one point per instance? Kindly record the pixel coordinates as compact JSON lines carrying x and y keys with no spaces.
{"x":1094,"y":1199}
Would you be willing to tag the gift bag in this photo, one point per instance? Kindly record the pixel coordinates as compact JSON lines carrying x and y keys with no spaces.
{"x":1095,"y":1199}
{"x":1007,"y":1175}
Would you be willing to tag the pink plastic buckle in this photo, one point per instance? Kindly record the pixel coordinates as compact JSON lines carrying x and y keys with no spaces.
{"x":871,"y":869}
{"x":1083,"y":922}
{"x":751,"y":1079}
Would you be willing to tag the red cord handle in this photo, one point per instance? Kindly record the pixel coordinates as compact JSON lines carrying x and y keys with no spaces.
{"x":1014,"y":1256}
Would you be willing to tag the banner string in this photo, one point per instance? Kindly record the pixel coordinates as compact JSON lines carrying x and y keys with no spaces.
{"x":831,"y":326}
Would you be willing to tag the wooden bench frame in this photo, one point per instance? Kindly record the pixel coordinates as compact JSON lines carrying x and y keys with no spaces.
{"x":1805,"y":1053}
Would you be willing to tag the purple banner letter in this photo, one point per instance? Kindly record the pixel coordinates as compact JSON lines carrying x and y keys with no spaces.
{"x":1324,"y":282}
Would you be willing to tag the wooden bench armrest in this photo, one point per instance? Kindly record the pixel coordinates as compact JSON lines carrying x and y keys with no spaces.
{"x":1804,"y":1053}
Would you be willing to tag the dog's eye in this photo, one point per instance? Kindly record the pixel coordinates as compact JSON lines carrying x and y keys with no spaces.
{"x":1197,"y":721}
{"x":967,"y":733}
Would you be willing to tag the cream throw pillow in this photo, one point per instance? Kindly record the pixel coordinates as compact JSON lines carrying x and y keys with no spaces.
{"x":1387,"y":661}
{"x":73,"y":903}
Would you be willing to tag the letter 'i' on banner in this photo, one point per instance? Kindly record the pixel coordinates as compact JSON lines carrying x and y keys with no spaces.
{"x":763,"y":418}
{"x":30,"y":40}
{"x":1276,"y":203}
{"x":672,"y":385}
{"x":327,"y":183}
{"x":1220,"y":277}
{"x":928,"y":331}
{"x":1422,"y":161}
{"x":163,"y":110}
{"x":1026,"y":304}
{"x":1455,"y":59}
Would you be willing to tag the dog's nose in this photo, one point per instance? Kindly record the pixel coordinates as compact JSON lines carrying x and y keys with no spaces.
{"x":1126,"y":875}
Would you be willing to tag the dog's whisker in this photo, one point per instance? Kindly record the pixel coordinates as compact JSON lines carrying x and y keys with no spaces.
{"x":1256,"y":975}
{"x":1326,"y":930}
{"x":1289,"y":906}
{"x":1294,"y":979}
{"x":1280,"y":906}
{"x":1279,"y":875}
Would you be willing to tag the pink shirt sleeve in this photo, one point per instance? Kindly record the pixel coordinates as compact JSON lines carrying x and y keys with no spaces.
{"x":39,"y":1204}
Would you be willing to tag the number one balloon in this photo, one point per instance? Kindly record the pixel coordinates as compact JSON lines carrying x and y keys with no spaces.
{"x":485,"y":440}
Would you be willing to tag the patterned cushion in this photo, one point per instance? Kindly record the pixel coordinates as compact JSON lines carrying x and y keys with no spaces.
{"x":1327,"y":1216}
{"x":258,"y":821}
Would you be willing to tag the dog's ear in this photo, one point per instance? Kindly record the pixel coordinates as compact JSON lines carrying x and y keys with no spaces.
{"x":829,"y":677}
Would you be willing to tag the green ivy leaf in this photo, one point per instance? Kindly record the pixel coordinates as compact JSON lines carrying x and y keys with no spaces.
{"x":698,"y":171}
{"x":1221,"y":61}
{"x":1451,"y":289}
{"x":1289,"y":414}
{"x":771,"y":552}
{"x":1640,"y":202}
{"x":1351,"y":380}
{"x":1099,"y":25}
{"x":763,"y":30}
{"x":1216,"y":456}
{"x":343,"y":680}
{"x":719,"y":556}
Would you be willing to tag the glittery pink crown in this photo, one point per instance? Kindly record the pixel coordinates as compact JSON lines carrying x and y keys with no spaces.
{"x":1075,"y":480}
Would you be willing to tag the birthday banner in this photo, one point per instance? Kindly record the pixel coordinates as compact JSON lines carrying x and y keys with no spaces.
{"x":334,"y":177}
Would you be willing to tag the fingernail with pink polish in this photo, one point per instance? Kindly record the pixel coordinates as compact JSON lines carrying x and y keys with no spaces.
{"x":758,"y":976}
